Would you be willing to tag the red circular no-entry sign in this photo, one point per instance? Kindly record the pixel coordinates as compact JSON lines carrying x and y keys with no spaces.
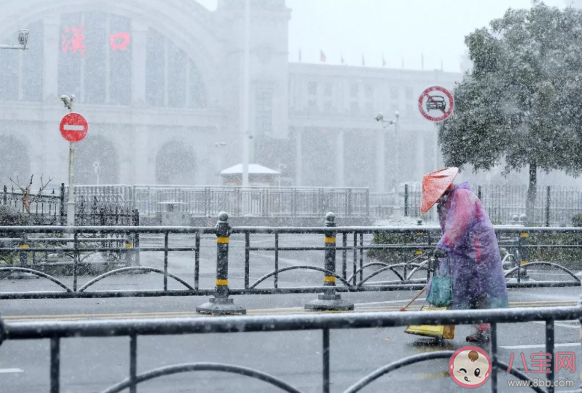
{"x":74,"y":127}
{"x":436,"y":103}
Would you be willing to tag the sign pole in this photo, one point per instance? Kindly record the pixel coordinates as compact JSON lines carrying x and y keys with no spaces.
{"x":436,"y":104}
{"x":436,"y":147}
{"x":436,"y":165}
{"x":73,"y":128}
{"x":397,"y":212}
{"x":71,"y":199}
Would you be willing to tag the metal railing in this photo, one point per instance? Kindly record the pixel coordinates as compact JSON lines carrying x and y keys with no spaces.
{"x":43,"y":209}
{"x":48,"y":208}
{"x":238,"y":201}
{"x":554,"y":205}
{"x":326,"y":324}
{"x":343,"y":261}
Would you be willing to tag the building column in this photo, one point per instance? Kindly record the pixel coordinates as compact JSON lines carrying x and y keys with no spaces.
{"x":339,"y":159}
{"x":138,"y":62}
{"x":55,"y":149}
{"x":298,"y":158}
{"x":142,"y":166}
{"x":50,"y":66}
{"x":381,"y":162}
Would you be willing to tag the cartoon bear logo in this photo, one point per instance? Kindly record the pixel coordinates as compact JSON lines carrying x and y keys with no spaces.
{"x":470,"y":367}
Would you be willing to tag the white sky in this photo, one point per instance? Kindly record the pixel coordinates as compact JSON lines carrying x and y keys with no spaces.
{"x":399,"y":29}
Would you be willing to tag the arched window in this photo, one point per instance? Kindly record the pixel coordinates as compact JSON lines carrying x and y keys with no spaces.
{"x":96,"y":161}
{"x":175,"y":164}
{"x":95,"y":57}
{"x":172,"y":79}
{"x":14,"y":159}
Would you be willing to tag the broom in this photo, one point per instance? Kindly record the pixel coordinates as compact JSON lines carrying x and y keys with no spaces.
{"x":413,"y":299}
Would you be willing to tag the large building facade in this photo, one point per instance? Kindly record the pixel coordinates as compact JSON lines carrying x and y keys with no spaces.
{"x":161,"y":84}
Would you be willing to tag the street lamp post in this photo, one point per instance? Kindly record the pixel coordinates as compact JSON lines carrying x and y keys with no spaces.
{"x":22,"y":41}
{"x":385,"y":123}
{"x":282,"y":167}
{"x":219,"y":145}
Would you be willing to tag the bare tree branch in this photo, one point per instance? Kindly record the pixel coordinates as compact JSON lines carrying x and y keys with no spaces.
{"x":27,"y":200}
{"x":41,"y":189}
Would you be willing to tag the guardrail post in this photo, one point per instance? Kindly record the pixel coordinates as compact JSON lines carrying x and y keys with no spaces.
{"x":2,"y":331}
{"x":22,"y":254}
{"x":367,"y":202}
{"x":221,"y":304}
{"x":23,"y":260}
{"x":128,"y":247}
{"x":548,"y":206}
{"x":329,"y":300}
{"x":62,"y":204}
{"x":135,"y":222}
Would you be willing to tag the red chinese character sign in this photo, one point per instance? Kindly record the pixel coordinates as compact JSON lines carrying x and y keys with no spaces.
{"x":74,"y":127}
{"x":119,"y":41}
{"x":72,"y":40}
{"x":436,"y":103}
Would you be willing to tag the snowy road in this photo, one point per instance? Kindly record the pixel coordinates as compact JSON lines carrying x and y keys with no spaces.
{"x":90,"y":365}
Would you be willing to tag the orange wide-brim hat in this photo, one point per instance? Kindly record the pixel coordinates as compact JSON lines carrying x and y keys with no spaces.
{"x":434,"y":185}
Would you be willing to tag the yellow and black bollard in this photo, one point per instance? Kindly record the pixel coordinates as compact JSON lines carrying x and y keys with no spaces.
{"x":329,"y":299}
{"x":221,"y":304}
{"x":128,"y":249}
{"x":23,"y":254}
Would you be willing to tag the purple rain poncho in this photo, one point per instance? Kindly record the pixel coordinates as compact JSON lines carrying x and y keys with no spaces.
{"x":474,"y":259}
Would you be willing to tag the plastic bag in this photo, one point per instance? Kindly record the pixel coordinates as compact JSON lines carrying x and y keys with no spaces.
{"x":441,"y":288}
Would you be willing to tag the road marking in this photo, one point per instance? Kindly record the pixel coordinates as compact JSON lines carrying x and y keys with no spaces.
{"x":188,"y":314}
{"x":361,"y":307}
{"x":562,"y":324}
{"x":529,"y":346}
{"x":435,"y":376}
{"x":71,"y":127}
{"x":10,"y":370}
{"x":386,"y":302}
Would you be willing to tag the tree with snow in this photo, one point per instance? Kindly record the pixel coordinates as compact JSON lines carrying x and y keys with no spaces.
{"x":521,"y":104}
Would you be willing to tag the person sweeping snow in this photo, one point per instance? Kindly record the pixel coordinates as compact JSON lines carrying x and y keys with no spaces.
{"x":468,"y":246}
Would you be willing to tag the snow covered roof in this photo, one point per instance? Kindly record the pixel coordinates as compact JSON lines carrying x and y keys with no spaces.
{"x":253,"y":169}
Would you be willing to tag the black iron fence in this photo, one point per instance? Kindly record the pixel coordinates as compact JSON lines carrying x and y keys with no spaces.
{"x":96,"y":212}
{"x":56,"y":332}
{"x":553,"y":205}
{"x":343,"y":262}
{"x":49,"y":208}
{"x":43,"y":209}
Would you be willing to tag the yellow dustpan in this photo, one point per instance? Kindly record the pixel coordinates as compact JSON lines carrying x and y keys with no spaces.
{"x":437,"y":331}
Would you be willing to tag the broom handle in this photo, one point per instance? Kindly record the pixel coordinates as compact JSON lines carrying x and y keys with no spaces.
{"x":413,"y":299}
